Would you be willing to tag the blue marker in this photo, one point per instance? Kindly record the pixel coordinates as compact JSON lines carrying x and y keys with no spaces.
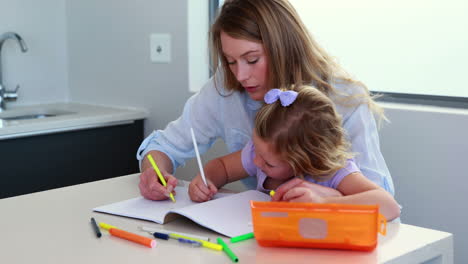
{"x":192,"y":243}
{"x":161,"y":235}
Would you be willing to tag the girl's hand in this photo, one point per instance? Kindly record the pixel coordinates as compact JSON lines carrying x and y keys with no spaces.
{"x":199,"y":192}
{"x":316,"y":189}
{"x":152,"y":189}
{"x":285,"y":187}
{"x":302,"y":195}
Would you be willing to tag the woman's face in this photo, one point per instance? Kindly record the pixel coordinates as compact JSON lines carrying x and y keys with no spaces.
{"x":248,"y":62}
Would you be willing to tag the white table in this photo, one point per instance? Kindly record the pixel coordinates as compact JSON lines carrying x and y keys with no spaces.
{"x":54,"y":227}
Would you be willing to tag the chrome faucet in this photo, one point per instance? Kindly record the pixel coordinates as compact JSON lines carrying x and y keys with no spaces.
{"x":4,"y":94}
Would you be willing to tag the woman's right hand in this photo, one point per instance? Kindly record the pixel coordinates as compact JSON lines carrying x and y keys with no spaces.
{"x":199,"y":192}
{"x":152,"y":189}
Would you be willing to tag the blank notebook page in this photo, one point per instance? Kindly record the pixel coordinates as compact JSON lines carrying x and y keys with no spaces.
{"x":228,"y":214}
{"x":142,"y":208}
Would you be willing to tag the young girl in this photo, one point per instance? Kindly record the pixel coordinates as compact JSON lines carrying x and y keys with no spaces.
{"x":297,"y":135}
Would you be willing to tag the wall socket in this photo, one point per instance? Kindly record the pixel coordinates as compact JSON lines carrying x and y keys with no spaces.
{"x":160,"y":48}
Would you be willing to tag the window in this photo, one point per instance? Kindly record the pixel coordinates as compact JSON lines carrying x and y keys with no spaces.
{"x":198,"y":18}
{"x":408,"y":49}
{"x":201,"y":14}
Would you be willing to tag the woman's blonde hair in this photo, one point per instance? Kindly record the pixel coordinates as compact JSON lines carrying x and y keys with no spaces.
{"x":307,"y":134}
{"x":294,"y":58}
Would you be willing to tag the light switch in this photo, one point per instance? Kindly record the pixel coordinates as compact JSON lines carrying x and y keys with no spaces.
{"x":160,"y":48}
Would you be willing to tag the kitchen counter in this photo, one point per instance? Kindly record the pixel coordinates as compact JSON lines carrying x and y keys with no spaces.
{"x":53,"y":227}
{"x":70,"y":116}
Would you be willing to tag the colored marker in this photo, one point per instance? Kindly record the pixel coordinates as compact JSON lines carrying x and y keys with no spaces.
{"x":133,"y":237}
{"x":203,"y":242}
{"x":161,"y":178}
{"x":161,"y":235}
{"x":106,"y":226}
{"x":272,"y":193}
{"x":167,"y":232}
{"x":95,"y":227}
{"x":129,"y":236}
{"x":228,"y":251}
{"x":192,"y":243}
{"x":242,"y":237}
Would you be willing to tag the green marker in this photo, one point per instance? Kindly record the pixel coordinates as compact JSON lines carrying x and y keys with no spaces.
{"x":242,"y":237}
{"x":228,"y":251}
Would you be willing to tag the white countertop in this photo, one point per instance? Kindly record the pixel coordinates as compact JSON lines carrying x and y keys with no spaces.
{"x":77,"y":116}
{"x":53,"y":227}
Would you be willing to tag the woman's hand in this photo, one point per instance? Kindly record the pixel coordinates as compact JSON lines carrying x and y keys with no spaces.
{"x":152,"y":189}
{"x":199,"y":192}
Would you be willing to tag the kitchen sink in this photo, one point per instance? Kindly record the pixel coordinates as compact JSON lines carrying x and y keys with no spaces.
{"x":25,"y":114}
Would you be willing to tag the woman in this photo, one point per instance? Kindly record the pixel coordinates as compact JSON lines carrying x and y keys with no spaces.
{"x":260,"y":45}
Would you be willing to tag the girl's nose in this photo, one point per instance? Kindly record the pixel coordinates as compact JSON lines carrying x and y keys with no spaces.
{"x":258,"y":162}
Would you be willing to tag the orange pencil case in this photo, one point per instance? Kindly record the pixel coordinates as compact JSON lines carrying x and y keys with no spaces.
{"x":332,"y":226}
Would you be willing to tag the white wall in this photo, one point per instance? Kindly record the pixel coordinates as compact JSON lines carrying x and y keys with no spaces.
{"x":110,"y":56}
{"x":42,"y":71}
{"x":426,"y":151}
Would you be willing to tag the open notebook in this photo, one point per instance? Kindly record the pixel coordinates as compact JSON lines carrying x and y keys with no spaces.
{"x":227,"y":214}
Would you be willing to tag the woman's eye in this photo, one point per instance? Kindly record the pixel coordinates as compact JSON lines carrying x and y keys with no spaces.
{"x":252,"y":61}
{"x":231,"y":62}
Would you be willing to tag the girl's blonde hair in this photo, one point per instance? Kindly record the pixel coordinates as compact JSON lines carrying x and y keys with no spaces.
{"x":294,"y":58}
{"x":307,"y":134}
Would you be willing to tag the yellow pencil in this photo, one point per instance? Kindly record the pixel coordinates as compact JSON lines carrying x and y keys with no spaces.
{"x":161,"y":178}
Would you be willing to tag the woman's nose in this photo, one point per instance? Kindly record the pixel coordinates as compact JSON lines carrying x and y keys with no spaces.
{"x":242,"y":72}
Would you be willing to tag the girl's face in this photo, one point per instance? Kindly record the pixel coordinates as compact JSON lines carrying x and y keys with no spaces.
{"x":248,"y":62}
{"x":270,"y":162}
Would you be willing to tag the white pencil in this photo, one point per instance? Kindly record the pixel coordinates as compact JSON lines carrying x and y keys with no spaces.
{"x":198,"y":156}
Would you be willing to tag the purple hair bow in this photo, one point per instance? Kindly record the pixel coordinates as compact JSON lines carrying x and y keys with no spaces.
{"x":286,"y":97}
